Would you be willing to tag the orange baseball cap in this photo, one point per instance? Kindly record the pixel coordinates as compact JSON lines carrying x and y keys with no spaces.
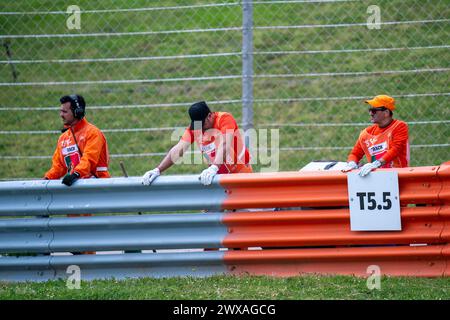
{"x":382,"y":101}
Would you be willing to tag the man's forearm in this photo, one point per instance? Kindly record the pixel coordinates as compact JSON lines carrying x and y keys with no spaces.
{"x":221,"y":152}
{"x":171,"y":157}
{"x":165,"y":163}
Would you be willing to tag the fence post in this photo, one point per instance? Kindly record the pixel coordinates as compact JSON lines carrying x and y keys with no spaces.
{"x":247,"y":67}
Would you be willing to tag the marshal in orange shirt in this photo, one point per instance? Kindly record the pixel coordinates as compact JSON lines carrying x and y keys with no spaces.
{"x":237,"y":155}
{"x":389,"y":143}
{"x":88,"y":155}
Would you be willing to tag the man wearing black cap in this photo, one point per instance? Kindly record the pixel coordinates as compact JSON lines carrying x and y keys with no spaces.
{"x":218,"y":137}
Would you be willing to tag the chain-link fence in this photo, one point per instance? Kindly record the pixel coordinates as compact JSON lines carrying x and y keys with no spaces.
{"x":140,"y":64}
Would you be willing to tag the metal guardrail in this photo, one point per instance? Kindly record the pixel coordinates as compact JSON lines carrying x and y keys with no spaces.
{"x":115,"y":195}
{"x":169,"y":231}
{"x":287,"y":242}
{"x":118,"y":266}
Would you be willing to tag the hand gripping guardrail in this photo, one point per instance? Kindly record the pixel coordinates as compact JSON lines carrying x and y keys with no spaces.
{"x":280,"y":243}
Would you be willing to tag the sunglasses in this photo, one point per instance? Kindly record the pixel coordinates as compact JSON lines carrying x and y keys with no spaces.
{"x":375,"y":110}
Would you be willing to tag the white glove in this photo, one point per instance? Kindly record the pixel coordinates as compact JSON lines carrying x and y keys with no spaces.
{"x":365,"y":170}
{"x":149,"y":176}
{"x":207,"y":175}
{"x":350,"y":166}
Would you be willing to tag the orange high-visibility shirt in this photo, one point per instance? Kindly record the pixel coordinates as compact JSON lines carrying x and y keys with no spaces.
{"x":390,"y":144}
{"x":237,"y":156}
{"x":91,"y":159}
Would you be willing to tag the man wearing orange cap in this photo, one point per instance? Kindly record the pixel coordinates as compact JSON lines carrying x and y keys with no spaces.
{"x":385,"y":144}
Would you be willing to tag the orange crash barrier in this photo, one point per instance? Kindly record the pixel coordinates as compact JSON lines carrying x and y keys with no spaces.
{"x":425,"y":261}
{"x":417,"y":185}
{"x":420,"y":225}
{"x":319,"y":239}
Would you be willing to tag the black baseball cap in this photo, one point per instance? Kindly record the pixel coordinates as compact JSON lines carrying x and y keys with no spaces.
{"x":198,"y":112}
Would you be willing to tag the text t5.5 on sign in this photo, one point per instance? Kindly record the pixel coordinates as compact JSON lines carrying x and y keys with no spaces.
{"x":374,"y":201}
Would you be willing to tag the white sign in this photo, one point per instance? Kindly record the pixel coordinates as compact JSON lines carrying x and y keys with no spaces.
{"x":374,"y":201}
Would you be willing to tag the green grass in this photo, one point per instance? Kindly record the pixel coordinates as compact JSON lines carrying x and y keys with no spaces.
{"x":231,"y":287}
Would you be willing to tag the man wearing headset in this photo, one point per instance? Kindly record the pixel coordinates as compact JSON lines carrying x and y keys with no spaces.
{"x":82,"y":150}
